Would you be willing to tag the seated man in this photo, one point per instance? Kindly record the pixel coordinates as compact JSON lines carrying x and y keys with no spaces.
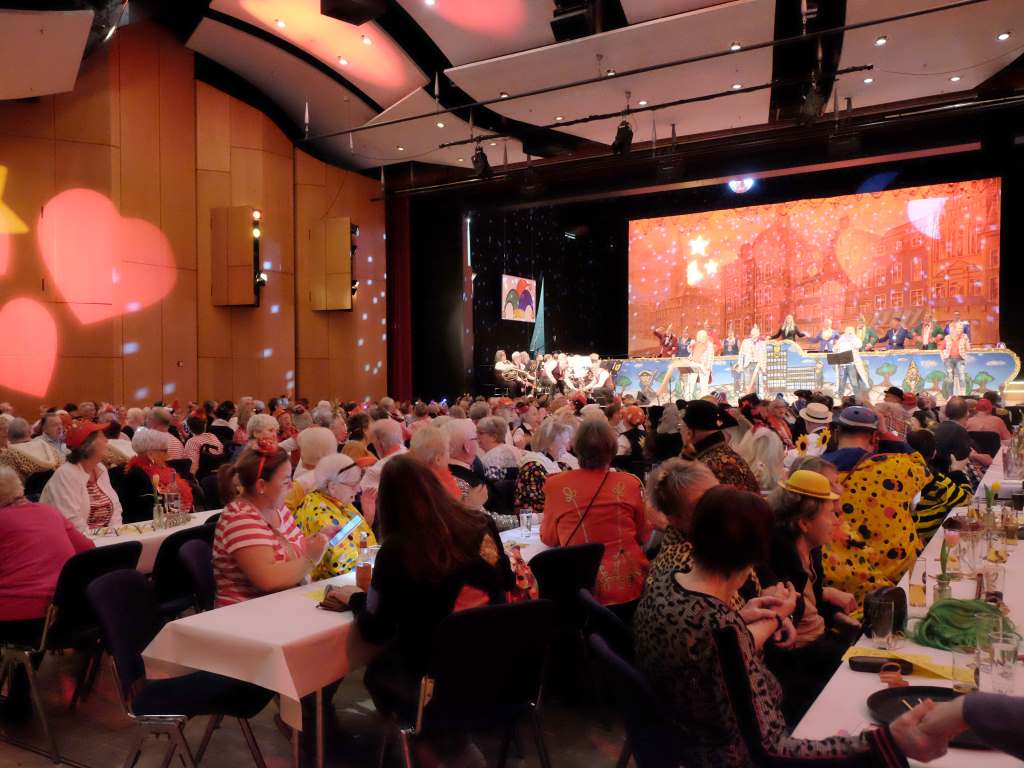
{"x":876,"y":506}
{"x":707,"y":444}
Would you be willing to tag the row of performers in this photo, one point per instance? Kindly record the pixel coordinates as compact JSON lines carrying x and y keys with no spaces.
{"x":927,"y":334}
{"x":524,"y":375}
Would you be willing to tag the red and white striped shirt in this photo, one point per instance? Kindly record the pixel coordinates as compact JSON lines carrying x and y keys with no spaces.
{"x":175,"y":450}
{"x":240,"y":526}
{"x":194,"y":446}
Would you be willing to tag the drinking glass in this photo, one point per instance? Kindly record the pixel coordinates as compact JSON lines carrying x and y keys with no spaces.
{"x":526,"y":521}
{"x":1011,"y":526}
{"x":878,"y":622}
{"x":965,"y":669}
{"x":985,"y":625}
{"x":917,"y":583}
{"x":1005,"y":648}
{"x":994,"y":578}
{"x":969,"y":545}
{"x":1017,"y":500}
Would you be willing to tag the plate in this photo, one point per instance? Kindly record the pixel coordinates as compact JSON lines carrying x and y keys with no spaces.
{"x":887,"y":704}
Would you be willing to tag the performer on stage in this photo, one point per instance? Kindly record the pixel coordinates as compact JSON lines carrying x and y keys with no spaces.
{"x":826,"y":337}
{"x":667,"y":341}
{"x":504,"y":370}
{"x":964,"y":324}
{"x":788,"y":330}
{"x":928,"y":333}
{"x":702,"y":357}
{"x":545,"y":381}
{"x":955,"y":348}
{"x":646,"y":394}
{"x":685,"y":341}
{"x":753,"y":356}
{"x":867,"y":335}
{"x":896,"y":337}
{"x":599,"y":378}
{"x":855,"y":373}
{"x":560,"y":372}
{"x":730,"y":344}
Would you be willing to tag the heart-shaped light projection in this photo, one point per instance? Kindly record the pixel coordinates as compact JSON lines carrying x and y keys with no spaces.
{"x":103,"y":265}
{"x":29,"y":351}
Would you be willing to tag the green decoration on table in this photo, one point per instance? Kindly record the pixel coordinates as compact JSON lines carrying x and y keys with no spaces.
{"x":990,"y":498}
{"x":943,"y":557}
{"x":953,"y":623}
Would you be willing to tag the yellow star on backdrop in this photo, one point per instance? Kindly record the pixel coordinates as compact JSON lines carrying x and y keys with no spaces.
{"x":9,"y":221}
{"x":698,"y":246}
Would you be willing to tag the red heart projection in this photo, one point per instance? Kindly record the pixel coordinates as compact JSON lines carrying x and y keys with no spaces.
{"x":29,"y":351}
{"x":103,"y":265}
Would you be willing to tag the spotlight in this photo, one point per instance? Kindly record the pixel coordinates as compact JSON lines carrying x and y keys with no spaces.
{"x":503,"y":95}
{"x":739,"y":186}
{"x":366,"y":40}
{"x":610,"y":73}
{"x":623,"y":139}
{"x":481,"y":165}
{"x":353,"y":230}
{"x":955,"y":79}
{"x":400,"y":148}
{"x":261,"y":280}
{"x":737,"y":86}
{"x":642,"y":102}
{"x":343,"y":61}
{"x":429,"y":3}
{"x":1002,"y":37}
{"x":735,"y":47}
{"x":462,"y":159}
{"x":280,"y":23}
{"x":440,"y":124}
{"x":256,"y":233}
{"x":868,"y":80}
{"x":881,"y":40}
{"x":559,"y":118}
{"x":257,"y":215}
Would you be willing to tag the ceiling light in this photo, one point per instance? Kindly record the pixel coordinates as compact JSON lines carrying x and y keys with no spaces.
{"x":462,"y":159}
{"x":623,"y":139}
{"x":257,"y":215}
{"x":737,"y":86}
{"x":429,"y":3}
{"x":493,"y":144}
{"x":559,"y":118}
{"x":642,"y":102}
{"x":1003,"y":36}
{"x":256,"y":233}
{"x":503,"y":95}
{"x":955,"y":79}
{"x":280,"y":23}
{"x":400,"y":148}
{"x":735,"y":47}
{"x":610,"y":73}
{"x":869,"y":80}
{"x":366,"y":40}
{"x":343,"y":61}
{"x":440,"y":124}
{"x":881,"y":40}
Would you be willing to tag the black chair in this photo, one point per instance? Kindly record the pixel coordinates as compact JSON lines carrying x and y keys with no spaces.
{"x":212,"y":519}
{"x":35,"y":482}
{"x":561,"y":572}
{"x":985,"y":442}
{"x":182,"y":466}
{"x":211,"y":493}
{"x":196,"y":559}
{"x":452,"y":697}
{"x":210,"y":462}
{"x":71,"y":624}
{"x":127,"y":612}
{"x":501,"y":493}
{"x":598,"y":619}
{"x":116,"y":477}
{"x":171,"y":582}
{"x":651,"y":738}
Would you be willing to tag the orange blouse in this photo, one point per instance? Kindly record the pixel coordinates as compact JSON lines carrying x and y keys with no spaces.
{"x":616,"y":519}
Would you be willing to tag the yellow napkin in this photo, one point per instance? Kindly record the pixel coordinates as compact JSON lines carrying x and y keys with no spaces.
{"x":316,"y":595}
{"x":924,"y":665}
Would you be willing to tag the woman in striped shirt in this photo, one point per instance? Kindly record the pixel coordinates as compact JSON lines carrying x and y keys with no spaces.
{"x":257,"y":548}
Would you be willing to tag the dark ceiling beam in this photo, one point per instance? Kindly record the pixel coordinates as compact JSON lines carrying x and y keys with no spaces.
{"x":426,"y":54}
{"x":806,"y":69}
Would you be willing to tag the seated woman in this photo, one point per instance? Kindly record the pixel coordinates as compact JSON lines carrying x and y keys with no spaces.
{"x":765,"y":454}
{"x":806,"y":518}
{"x":438,"y":556}
{"x":501,"y":464}
{"x":550,"y":447}
{"x":430,"y":445}
{"x":314,"y":444}
{"x":326,"y":502}
{"x":358,"y":444}
{"x":598,"y":504}
{"x":202,"y":438}
{"x":257,"y":547}
{"x":35,"y":542}
{"x":260,"y":427}
{"x":80,"y":488}
{"x":119,"y":445}
{"x":674,"y":629}
{"x":147,"y":473}
{"x":945,"y":489}
{"x":25,"y":455}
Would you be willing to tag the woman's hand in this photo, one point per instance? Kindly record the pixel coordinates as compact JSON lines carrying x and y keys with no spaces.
{"x":345,"y":593}
{"x":844,"y":601}
{"x":313,"y":547}
{"x":785,"y":637}
{"x":787,"y":596}
{"x":912,"y":736}
{"x":762,"y":608}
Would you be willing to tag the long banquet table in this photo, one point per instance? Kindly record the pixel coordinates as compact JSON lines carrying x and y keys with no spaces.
{"x":150,"y":539}
{"x":842,"y":704}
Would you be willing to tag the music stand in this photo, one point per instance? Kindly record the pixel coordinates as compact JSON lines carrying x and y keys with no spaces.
{"x":840,"y":358}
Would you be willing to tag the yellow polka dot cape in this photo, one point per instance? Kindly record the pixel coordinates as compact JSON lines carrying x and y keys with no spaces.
{"x":317,"y":510}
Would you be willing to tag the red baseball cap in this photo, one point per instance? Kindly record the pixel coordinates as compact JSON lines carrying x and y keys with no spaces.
{"x":77,"y":435}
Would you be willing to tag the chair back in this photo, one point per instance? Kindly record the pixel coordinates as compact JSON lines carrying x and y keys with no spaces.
{"x":737,"y":683}
{"x":126,"y":611}
{"x":211,"y":493}
{"x":72,"y":614}
{"x":170,"y":579}
{"x":196,"y":559}
{"x":464,"y":646}
{"x":653,"y":739}
{"x":34,"y":483}
{"x":502,"y":492}
{"x":599,"y":620}
{"x":116,"y":477}
{"x":985,"y":442}
{"x":561,"y":572}
{"x":182,"y":466}
{"x":210,"y":462}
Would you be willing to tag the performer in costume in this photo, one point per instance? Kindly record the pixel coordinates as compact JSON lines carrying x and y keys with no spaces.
{"x":753,"y":355}
{"x":955,"y":348}
{"x":730,"y":344}
{"x":928,"y":332}
{"x":896,"y":337}
{"x":855,"y":373}
{"x":964,"y":324}
{"x":545,"y":381}
{"x":788,"y":330}
{"x":560,"y":371}
{"x":504,"y":370}
{"x":599,"y":378}
{"x":867,"y":335}
{"x":826,"y":337}
{"x":702,"y":356}
{"x":667,"y":341}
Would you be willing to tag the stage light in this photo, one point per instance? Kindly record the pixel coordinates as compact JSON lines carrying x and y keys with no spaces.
{"x":735,"y":47}
{"x":462,"y":159}
{"x":739,"y":186}
{"x":868,"y":80}
{"x":881,"y":40}
{"x":280,"y":23}
{"x":559,"y":118}
{"x":256,"y":233}
{"x":400,"y":148}
{"x":1003,"y":36}
{"x":493,"y":144}
{"x":343,"y":61}
{"x":366,"y":40}
{"x":955,"y":79}
{"x":503,"y":95}
{"x":610,"y":73}
{"x":429,"y":3}
{"x":737,"y":86}
{"x":642,"y":102}
{"x":257,"y":214}
{"x":623,"y":139}
{"x":481,"y":165}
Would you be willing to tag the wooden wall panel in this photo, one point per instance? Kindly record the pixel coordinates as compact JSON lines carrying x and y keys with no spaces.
{"x":30,"y":183}
{"x":213,"y":129}
{"x":180,"y":331}
{"x":140,"y":126}
{"x":91,"y":166}
{"x":30,"y":119}
{"x":143,"y":367}
{"x":213,"y":190}
{"x":246,"y":126}
{"x":178,"y":151}
{"x":91,"y":112}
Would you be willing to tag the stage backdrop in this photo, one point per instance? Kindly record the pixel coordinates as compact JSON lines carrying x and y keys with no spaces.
{"x":878,"y":254}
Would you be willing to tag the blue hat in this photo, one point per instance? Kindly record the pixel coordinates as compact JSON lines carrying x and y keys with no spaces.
{"x":859,"y":416}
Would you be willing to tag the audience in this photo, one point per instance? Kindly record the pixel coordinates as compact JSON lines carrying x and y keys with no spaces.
{"x":765,"y":454}
{"x":386,"y":436}
{"x":80,"y":488}
{"x":147,"y":473}
{"x":357,"y":446}
{"x":160,"y":420}
{"x":201,"y":439}
{"x":946,"y":488}
{"x":985,"y":420}
{"x":314,"y":444}
{"x":707,"y":444}
{"x":550,"y":446}
{"x":25,"y":455}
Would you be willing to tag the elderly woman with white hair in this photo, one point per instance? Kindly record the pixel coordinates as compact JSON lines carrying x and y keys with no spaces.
{"x":550,"y":446}
{"x":133,"y":419}
{"x":765,"y":453}
{"x":429,"y":444}
{"x":148,"y":473}
{"x":25,"y":455}
{"x":261,"y":426}
{"x":314,"y":444}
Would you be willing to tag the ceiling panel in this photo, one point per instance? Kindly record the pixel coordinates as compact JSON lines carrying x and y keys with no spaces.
{"x":645,"y":10}
{"x":40,"y":51}
{"x":921,"y":54}
{"x":681,"y":36}
{"x":471,"y":30}
{"x":381,"y":69}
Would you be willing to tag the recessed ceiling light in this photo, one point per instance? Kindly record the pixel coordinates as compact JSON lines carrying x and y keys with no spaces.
{"x":462,"y":159}
{"x":503,"y":95}
{"x":429,"y":3}
{"x":280,"y":23}
{"x":493,"y":144}
{"x":735,"y":46}
{"x":440,"y":124}
{"x":400,"y":148}
{"x":366,"y":40}
{"x":559,"y":118}
{"x":610,"y":73}
{"x":955,"y":79}
{"x":737,"y":86}
{"x":642,"y":102}
{"x":869,"y":80}
{"x":1003,"y":36}
{"x":343,"y":61}
{"x":881,"y":40}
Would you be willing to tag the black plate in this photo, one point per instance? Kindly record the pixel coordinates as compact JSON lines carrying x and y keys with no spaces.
{"x":886,"y":705}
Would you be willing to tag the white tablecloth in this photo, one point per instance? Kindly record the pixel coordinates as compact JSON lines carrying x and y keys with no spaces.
{"x":995,"y":479}
{"x":151,"y":540}
{"x":842,"y":705}
{"x":530,"y":543}
{"x":281,"y":642}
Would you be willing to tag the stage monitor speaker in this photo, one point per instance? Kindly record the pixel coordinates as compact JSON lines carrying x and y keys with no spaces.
{"x":330,"y":262}
{"x":234,"y":253}
{"x":839,"y":358}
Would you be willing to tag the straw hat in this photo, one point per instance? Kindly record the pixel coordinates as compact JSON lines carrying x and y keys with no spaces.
{"x":807,"y":483}
{"x":816,"y":413}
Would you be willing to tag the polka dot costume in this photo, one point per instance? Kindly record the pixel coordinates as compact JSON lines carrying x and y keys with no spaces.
{"x":317,"y":510}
